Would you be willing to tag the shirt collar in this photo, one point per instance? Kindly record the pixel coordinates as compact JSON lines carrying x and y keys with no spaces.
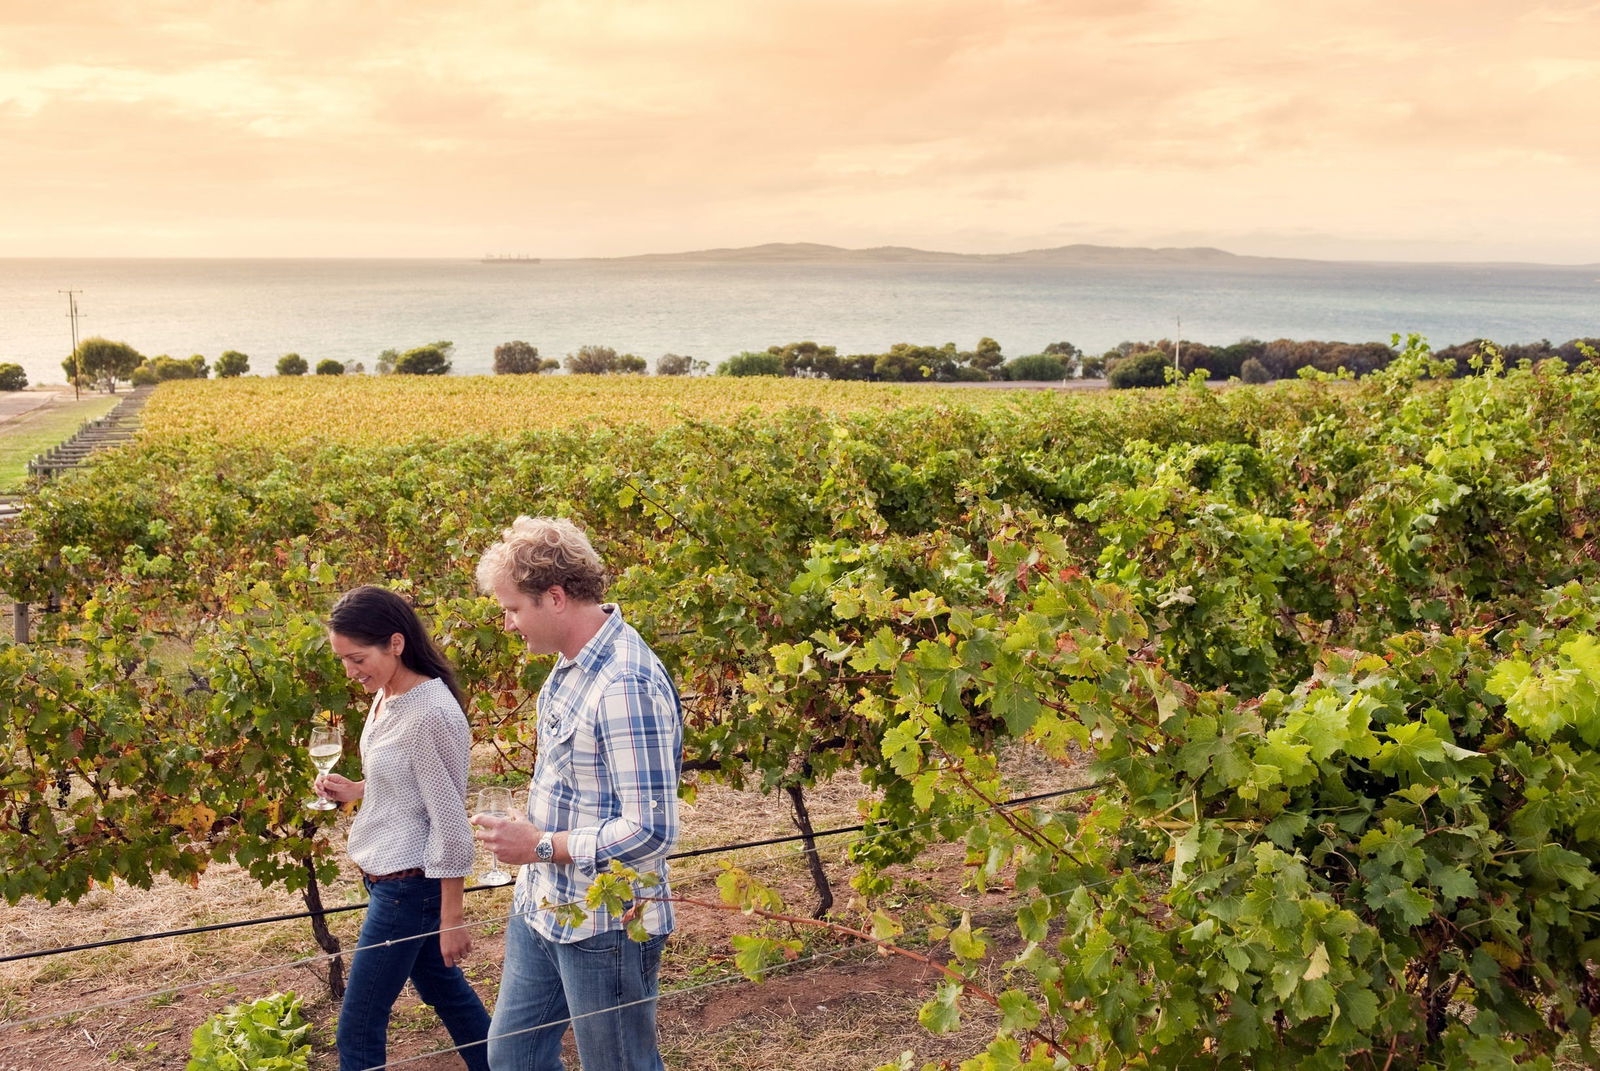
{"x":597,"y":651}
{"x":417,"y":691}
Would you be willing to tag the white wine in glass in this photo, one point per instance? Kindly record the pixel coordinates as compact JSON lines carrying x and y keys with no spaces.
{"x":326,"y":747}
{"x":495,"y":802}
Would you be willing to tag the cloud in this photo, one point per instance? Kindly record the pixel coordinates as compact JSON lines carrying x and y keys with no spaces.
{"x":588,"y":126}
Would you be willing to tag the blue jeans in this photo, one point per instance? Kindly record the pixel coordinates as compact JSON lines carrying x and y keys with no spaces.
{"x":398,"y":910}
{"x":547,"y":982}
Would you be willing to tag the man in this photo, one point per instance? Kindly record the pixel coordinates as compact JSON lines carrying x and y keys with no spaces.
{"x":605,"y":787}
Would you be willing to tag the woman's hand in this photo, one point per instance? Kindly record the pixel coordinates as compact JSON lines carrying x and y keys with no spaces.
{"x":512,"y":840}
{"x":339,"y":788}
{"x":455,"y":940}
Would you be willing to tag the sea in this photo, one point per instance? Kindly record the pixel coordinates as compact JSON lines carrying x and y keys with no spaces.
{"x":352,"y":310}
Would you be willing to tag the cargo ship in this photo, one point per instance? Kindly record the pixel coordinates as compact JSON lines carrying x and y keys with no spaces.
{"x":508,"y":258}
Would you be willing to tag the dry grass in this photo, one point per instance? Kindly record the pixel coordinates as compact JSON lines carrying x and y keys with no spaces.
{"x":846,"y":1009}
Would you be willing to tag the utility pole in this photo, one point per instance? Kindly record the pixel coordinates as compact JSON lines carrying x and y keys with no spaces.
{"x":72,"y":314}
{"x":1177,"y":349}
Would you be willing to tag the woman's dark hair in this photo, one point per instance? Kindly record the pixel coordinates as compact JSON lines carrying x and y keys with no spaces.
{"x":370,"y":615}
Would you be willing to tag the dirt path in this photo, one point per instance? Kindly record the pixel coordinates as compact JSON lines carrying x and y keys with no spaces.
{"x":15,"y":404}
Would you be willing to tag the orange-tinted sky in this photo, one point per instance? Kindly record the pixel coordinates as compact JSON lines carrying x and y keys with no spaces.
{"x":1414,"y":129}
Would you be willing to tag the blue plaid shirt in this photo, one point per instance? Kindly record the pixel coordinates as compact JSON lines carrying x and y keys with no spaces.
{"x":610,"y":751}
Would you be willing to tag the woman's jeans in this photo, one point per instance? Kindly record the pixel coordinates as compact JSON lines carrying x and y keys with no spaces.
{"x":605,"y":985}
{"x":398,"y":910}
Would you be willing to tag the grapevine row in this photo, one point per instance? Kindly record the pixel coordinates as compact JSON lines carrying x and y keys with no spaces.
{"x":1331,"y":641}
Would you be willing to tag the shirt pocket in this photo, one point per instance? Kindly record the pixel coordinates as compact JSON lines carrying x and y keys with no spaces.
{"x":556,"y":741}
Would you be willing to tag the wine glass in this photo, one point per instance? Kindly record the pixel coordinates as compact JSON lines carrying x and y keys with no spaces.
{"x":495,"y":802}
{"x":326,"y":746}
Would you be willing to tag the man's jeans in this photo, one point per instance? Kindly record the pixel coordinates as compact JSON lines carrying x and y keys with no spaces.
{"x":547,"y":982}
{"x":397,"y":910}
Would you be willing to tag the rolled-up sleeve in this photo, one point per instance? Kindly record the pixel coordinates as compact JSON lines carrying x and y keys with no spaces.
{"x":639,"y":738}
{"x":441,"y":754}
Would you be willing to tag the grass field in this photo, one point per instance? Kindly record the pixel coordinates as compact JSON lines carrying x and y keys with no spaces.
{"x":36,"y":431}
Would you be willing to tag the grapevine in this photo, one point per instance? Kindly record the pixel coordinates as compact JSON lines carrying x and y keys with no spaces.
{"x":1331,"y":644}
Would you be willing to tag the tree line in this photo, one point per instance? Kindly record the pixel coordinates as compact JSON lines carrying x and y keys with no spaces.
{"x":103,"y":363}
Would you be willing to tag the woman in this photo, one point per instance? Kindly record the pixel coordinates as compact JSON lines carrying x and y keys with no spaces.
{"x":410,"y":838}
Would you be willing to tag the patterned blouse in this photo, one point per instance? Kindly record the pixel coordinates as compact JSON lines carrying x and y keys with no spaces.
{"x":414,"y":756}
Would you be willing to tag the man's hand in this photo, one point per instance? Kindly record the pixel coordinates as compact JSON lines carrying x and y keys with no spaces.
{"x":338,"y":788}
{"x":512,"y":840}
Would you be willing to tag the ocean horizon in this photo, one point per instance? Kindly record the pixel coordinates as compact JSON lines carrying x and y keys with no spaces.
{"x":353,"y":309}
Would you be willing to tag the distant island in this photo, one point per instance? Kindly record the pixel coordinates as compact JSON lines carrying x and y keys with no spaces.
{"x":1068,"y":256}
{"x":813,"y":252}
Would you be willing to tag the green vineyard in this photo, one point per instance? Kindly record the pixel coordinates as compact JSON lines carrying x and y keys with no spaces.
{"x":1332,"y":647}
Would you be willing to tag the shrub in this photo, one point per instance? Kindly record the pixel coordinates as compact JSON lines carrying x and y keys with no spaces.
{"x":521,"y":359}
{"x":752,"y":364}
{"x":430,"y":360}
{"x":1035,"y":366}
{"x":330,"y":367}
{"x":232,"y":363}
{"x":909,"y":362}
{"x":808,"y":359}
{"x":603,"y":360}
{"x":1253,"y":371}
{"x":987,"y":358}
{"x":292,"y":364}
{"x":1147,"y":369}
{"x":160,"y":369}
{"x":12,"y":377}
{"x":674,"y":364}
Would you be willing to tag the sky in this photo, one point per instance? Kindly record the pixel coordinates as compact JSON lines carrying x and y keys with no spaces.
{"x":1341,"y":129}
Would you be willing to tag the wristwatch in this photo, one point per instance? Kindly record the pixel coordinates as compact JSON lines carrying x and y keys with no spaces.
{"x":545,"y":850}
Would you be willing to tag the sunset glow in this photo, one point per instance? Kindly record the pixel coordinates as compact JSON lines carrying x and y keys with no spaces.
{"x":1356,"y":129}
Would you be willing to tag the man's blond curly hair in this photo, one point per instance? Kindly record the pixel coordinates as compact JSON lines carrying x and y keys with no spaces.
{"x":538,"y":553}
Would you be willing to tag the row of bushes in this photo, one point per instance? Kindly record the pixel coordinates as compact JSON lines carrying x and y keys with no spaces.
{"x":1128,"y":364}
{"x":1255,"y":361}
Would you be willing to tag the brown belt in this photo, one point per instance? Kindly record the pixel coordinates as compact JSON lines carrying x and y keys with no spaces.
{"x":413,"y":872}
